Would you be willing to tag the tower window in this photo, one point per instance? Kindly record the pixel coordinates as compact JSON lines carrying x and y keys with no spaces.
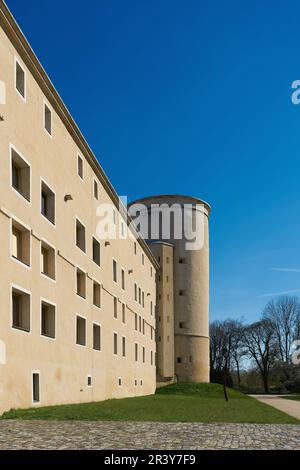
{"x":20,"y":80}
{"x":48,"y":119}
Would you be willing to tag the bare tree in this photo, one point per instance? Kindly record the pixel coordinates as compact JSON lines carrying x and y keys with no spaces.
{"x":261,"y":346}
{"x":284,"y":315}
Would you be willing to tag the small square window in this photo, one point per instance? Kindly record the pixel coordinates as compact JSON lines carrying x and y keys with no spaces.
{"x":20,"y":310}
{"x":80,"y":235}
{"x":20,"y":175}
{"x":96,"y":251}
{"x":48,"y":119}
{"x":47,"y":203}
{"x":80,"y":331}
{"x":182,"y":260}
{"x":20,"y":80}
{"x":96,"y":337}
{"x":47,"y":260}
{"x":80,"y":166}
{"x":20,"y":244}
{"x":182,"y":293}
{"x":80,"y":283}
{"x":96,"y":294}
{"x":47,"y":320}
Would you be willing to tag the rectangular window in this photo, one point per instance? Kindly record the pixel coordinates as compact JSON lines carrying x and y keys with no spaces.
{"x":20,"y":243}
{"x":123,"y":279}
{"x":47,"y":260}
{"x":136,"y":352}
{"x":140,"y":296}
{"x":140,"y":324}
{"x":80,"y":235}
{"x":123,"y":346}
{"x":143,"y":259}
{"x":151,"y":354}
{"x":96,"y":190}
{"x":96,"y":251}
{"x":20,"y":175}
{"x":151,"y":330}
{"x":151,"y":308}
{"x":80,"y":331}
{"x":20,"y":310}
{"x":135,"y":292}
{"x":182,"y":260}
{"x":134,"y":248}
{"x":96,"y":337}
{"x":115,"y":343}
{"x":36,"y":387}
{"x":135,"y":322}
{"x":47,"y":320}
{"x":143,"y":299}
{"x":89,"y":381}
{"x":115,"y":271}
{"x":96,"y":294}
{"x":47,"y":203}
{"x":144,"y":355}
{"x":48,"y":119}
{"x":143,"y":327}
{"x":115,"y":307}
{"x":80,"y":166}
{"x":80,"y":283}
{"x":20,"y":80}
{"x":123,"y":313}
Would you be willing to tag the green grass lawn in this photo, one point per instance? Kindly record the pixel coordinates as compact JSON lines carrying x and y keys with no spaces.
{"x":183,"y":402}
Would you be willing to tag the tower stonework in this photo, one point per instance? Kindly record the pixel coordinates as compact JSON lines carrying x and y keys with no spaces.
{"x":189,"y":349}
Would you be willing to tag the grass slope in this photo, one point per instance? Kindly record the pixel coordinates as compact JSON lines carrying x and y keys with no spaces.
{"x":175,"y":403}
{"x":292,"y":397}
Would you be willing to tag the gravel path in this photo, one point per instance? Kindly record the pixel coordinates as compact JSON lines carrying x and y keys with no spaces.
{"x":290,"y":407}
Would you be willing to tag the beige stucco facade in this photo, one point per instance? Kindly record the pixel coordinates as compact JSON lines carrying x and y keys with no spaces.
{"x":39,"y":329}
{"x":189,"y":348}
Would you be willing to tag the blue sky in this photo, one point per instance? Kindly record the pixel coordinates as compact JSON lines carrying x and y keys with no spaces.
{"x":198,"y":90}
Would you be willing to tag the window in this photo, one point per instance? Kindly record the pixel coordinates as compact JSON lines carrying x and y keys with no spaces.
{"x":151,"y":308}
{"x":80,"y":283}
{"x":80,"y":331}
{"x":89,"y":381}
{"x":47,"y":319}
{"x":123,"y":313}
{"x":140,"y":296}
{"x":96,"y":294}
{"x":151,"y":331}
{"x":80,"y":235}
{"x":135,"y":292}
{"x":135,"y":382}
{"x":96,"y":190}
{"x":140,"y":324}
{"x":115,"y":271}
{"x":143,"y":327}
{"x":115,"y":307}
{"x":96,"y":337}
{"x":167,"y":278}
{"x":182,"y":260}
{"x":36,"y":387}
{"x":115,"y":343}
{"x":20,"y":80}
{"x":20,"y":242}
{"x":168,"y":260}
{"x":181,"y":292}
{"x":123,"y":346}
{"x":144,"y":354}
{"x":135,"y":322}
{"x":48,"y":119}
{"x":136,"y":355}
{"x":141,"y":382}
{"x":123,"y":279}
{"x":151,"y":271}
{"x":143,"y":299}
{"x":96,"y":251}
{"x":20,"y":310}
{"x":181,"y":325}
{"x":178,"y":360}
{"x":20,"y":175}
{"x":151,"y":360}
{"x":47,"y":203}
{"x":47,"y":260}
{"x":143,"y":259}
{"x":80,"y":166}
{"x":134,"y":248}
{"x":120,"y":382}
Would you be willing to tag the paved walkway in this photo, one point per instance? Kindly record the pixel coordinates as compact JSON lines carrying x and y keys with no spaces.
{"x":130,"y":436}
{"x":290,"y":407}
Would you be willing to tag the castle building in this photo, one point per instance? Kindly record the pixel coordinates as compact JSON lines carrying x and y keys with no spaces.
{"x":79,"y":318}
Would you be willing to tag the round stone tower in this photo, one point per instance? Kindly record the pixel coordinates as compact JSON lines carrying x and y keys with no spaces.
{"x":190,"y":216}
